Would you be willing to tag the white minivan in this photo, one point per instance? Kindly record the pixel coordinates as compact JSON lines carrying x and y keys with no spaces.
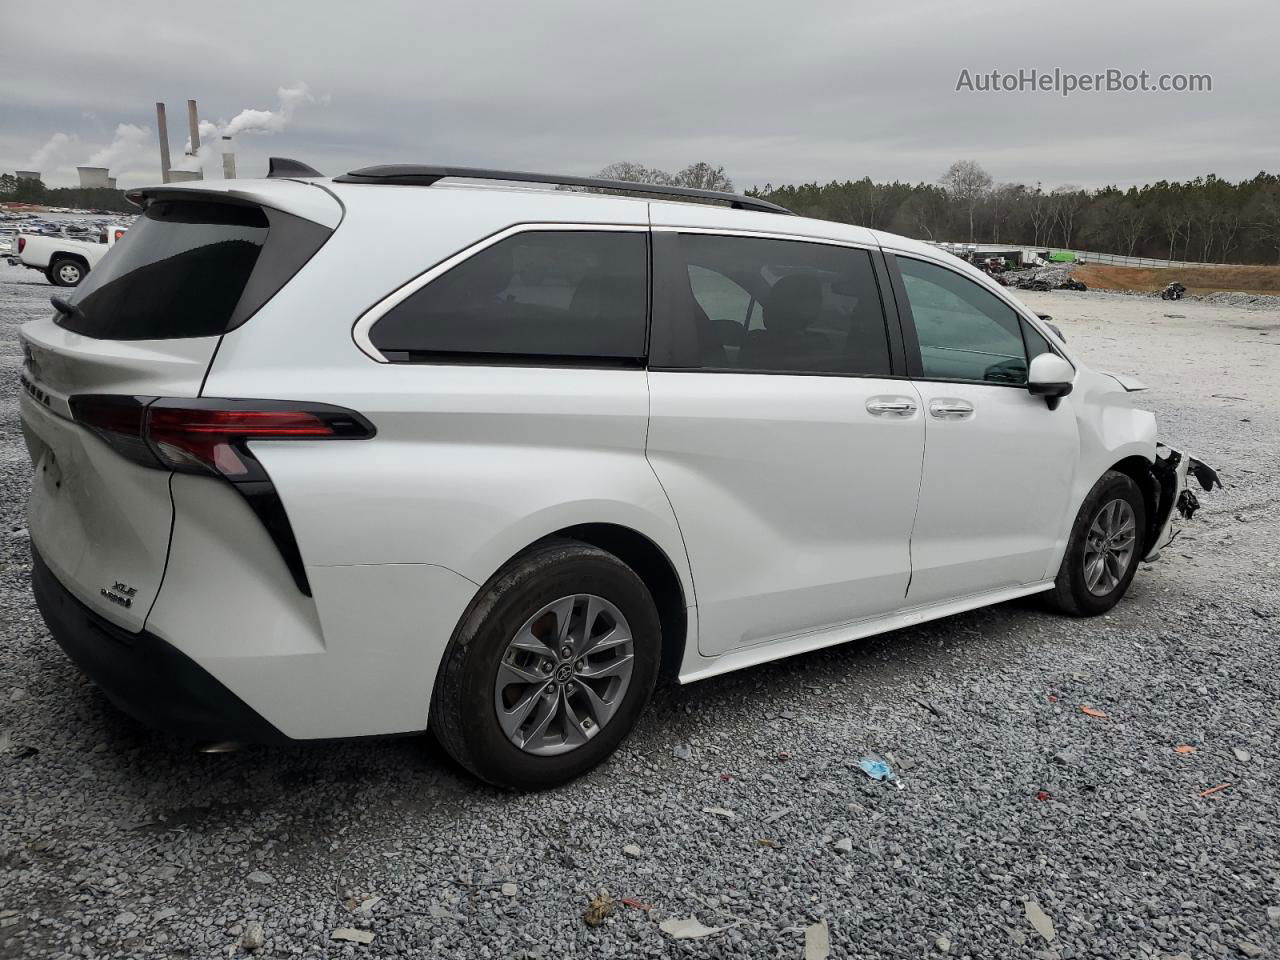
{"x":424,"y":448}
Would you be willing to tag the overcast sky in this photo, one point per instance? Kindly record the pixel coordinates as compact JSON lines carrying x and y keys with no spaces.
{"x":780,"y":92}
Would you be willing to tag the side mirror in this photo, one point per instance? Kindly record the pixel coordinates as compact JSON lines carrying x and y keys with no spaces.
{"x":1050,"y":377}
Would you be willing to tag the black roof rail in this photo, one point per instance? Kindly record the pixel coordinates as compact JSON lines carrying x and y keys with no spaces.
{"x":422,"y":175}
{"x":281,"y":167}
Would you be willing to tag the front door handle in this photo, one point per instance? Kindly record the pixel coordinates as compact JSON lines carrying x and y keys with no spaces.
{"x":891,"y":407}
{"x":951,"y":409}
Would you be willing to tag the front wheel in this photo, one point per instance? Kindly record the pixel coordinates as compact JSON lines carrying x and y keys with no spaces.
{"x":1105,"y":547}
{"x":549,"y":669}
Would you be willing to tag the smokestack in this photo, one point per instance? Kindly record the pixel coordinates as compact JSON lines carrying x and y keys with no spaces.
{"x":193,"y":118}
{"x":228,"y":159}
{"x":183,"y":176}
{"x":163,"y":127}
{"x":92,"y":177}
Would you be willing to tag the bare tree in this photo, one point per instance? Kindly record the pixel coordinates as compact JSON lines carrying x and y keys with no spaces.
{"x":1001,"y":203}
{"x":1264,"y":215}
{"x":1040,"y":212}
{"x":1171,"y":220}
{"x":1131,"y":219}
{"x":703,"y":176}
{"x":634,"y":173}
{"x":966,"y":182}
{"x":1066,"y":202}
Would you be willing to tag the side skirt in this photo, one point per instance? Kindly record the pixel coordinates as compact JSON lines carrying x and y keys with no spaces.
{"x":700,"y":668}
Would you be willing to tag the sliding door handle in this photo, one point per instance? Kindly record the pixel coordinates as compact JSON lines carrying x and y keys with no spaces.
{"x":891,"y":407}
{"x":951,"y":409}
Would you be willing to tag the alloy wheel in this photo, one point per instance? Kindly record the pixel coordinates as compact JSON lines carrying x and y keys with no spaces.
{"x":1109,"y":547}
{"x":564,"y":674}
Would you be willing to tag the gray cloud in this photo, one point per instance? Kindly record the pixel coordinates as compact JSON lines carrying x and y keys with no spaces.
{"x":775,"y":92}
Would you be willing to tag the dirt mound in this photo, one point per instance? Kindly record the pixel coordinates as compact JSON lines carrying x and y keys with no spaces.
{"x":1198,"y":280}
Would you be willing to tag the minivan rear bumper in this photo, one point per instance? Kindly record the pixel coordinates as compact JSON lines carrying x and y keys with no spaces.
{"x":146,"y":677}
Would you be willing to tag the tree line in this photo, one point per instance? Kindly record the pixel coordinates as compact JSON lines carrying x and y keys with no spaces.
{"x":34,"y":191}
{"x":1206,"y":219}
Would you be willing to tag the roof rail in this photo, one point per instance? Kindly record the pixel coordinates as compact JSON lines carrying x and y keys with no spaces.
{"x":420,"y":175}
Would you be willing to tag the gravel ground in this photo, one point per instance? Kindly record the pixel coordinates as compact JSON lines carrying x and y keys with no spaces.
{"x":1013,"y":803}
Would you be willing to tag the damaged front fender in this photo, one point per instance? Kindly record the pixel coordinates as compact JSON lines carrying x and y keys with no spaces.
{"x":1169,"y":476}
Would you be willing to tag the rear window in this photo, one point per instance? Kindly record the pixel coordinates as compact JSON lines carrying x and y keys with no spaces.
{"x":179,"y":272}
{"x":557,"y":296}
{"x":191,"y":269}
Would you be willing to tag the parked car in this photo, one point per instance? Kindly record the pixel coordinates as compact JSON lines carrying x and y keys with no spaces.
{"x":64,"y":260}
{"x":303,"y":469}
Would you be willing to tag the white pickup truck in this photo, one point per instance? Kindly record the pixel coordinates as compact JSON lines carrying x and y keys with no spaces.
{"x":64,"y":261}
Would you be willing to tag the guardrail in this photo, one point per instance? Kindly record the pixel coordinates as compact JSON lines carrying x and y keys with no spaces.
{"x":1120,"y":260}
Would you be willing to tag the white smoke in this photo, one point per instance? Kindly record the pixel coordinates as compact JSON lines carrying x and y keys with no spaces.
{"x":129,"y":145}
{"x":246,"y":121}
{"x":270,"y":121}
{"x":57,"y":148}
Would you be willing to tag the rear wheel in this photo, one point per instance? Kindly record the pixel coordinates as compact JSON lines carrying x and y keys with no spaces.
{"x":66,"y":273}
{"x":1105,"y":547}
{"x":549,"y":669}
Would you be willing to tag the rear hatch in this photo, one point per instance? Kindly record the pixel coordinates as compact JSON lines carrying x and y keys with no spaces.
{"x":144,"y":324}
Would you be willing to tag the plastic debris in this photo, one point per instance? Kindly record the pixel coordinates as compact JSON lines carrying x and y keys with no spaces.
{"x":1089,"y":711}
{"x":876,"y":769}
{"x":721,"y":812}
{"x":1039,"y":920}
{"x":1042,"y":795}
{"x":817,"y":941}
{"x":352,"y":935}
{"x":1184,"y":748}
{"x":599,"y":909}
{"x":690,"y":928}
{"x":1213,"y":790}
{"x":636,"y":904}
{"x":767,"y":842}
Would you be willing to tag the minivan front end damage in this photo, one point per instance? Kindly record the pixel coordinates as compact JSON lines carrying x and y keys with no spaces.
{"x":1172,"y":495}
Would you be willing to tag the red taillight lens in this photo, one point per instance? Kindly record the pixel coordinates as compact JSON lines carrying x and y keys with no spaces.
{"x":22,"y":244}
{"x":209,"y":436}
{"x":185,"y":438}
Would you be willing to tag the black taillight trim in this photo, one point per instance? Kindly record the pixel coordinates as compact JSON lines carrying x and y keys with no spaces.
{"x":124,"y":423}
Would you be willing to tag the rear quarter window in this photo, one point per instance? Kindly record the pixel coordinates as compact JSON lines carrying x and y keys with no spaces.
{"x":534,"y":297}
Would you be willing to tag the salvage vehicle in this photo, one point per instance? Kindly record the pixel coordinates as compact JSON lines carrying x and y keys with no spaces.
{"x":64,"y":260}
{"x":304,"y":470}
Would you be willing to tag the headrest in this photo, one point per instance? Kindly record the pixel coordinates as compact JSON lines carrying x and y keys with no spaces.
{"x":793,"y":304}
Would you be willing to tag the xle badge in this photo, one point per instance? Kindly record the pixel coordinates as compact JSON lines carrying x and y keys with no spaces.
{"x":120,"y":593}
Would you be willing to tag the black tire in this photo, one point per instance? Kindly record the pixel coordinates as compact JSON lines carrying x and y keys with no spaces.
{"x":61,"y":272}
{"x":463,"y":715}
{"x":1071,"y":593}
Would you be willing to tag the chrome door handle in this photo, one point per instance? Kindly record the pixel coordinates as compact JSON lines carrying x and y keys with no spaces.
{"x":951,"y":409}
{"x":891,"y":406}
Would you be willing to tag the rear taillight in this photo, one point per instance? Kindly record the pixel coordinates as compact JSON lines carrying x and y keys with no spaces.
{"x":22,"y":244}
{"x":209,"y":436}
{"x":212,"y":437}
